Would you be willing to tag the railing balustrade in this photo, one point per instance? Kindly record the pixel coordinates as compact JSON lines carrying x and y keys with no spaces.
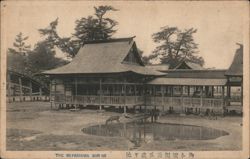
{"x":96,"y":100}
{"x":137,"y":100}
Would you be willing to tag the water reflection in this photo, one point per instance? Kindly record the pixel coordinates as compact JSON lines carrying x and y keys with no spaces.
{"x":138,"y":132}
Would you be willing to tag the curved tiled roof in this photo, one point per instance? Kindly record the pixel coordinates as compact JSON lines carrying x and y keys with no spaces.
{"x":103,"y":57}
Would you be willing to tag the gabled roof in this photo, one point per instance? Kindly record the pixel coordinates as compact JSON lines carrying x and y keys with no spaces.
{"x":171,"y":66}
{"x":236,"y":68}
{"x":103,"y":57}
{"x":188,"y":65}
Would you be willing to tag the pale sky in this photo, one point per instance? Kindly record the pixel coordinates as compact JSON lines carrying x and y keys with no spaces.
{"x":219,"y":24}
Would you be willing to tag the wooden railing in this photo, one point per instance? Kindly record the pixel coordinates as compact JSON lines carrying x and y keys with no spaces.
{"x":139,"y":100}
{"x":184,"y":101}
{"x":96,"y":100}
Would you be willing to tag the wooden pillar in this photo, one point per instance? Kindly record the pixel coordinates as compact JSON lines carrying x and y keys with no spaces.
{"x":50,"y":89}
{"x":30,"y":93}
{"x":135,"y":92}
{"x":229,"y":91}
{"x":21,"y":89}
{"x":182,"y":101}
{"x":212,"y":91}
{"x":223,"y":95}
{"x":188,"y":91}
{"x":9,"y":85}
{"x":100,"y":94}
{"x":55,"y":91}
{"x":40,"y":91}
{"x":154,"y":93}
{"x":171,"y":94}
{"x":125,"y":97}
{"x":75,"y":92}
{"x":145,"y":96}
{"x":162,"y":97}
{"x":202,"y":96}
{"x":241,"y":92}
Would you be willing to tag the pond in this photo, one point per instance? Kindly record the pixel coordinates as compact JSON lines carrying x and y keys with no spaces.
{"x":139,"y":133}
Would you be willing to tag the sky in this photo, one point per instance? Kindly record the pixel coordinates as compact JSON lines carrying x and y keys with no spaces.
{"x":219,"y":24}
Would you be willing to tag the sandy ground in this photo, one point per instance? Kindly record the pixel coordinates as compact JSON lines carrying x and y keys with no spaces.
{"x":33,"y":126}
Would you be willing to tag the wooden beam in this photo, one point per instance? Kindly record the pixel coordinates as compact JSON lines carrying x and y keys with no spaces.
{"x":8,"y":85}
{"x":100,"y":94}
{"x":241,"y":93}
{"x":50,"y":100}
{"x":30,"y":85}
{"x":75,"y":91}
{"x":201,"y":104}
{"x":125,"y":98}
{"x":20,"y":88}
{"x":223,"y":92}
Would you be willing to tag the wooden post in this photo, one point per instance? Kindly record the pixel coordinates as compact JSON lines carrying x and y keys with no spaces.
{"x":100,"y":95}
{"x":125,"y":96}
{"x":40,"y":93}
{"x":135,"y":92}
{"x":55,"y":91}
{"x":30,"y":86}
{"x":182,"y":101}
{"x":201,"y":96}
{"x":50,"y":89}
{"x":75,"y":92}
{"x":171,"y":92}
{"x":223,"y":96}
{"x":21,"y":89}
{"x":162,"y":97}
{"x":9,"y":85}
{"x":241,"y":92}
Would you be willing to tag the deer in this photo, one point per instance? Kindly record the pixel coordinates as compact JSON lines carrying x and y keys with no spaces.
{"x":113,"y":118}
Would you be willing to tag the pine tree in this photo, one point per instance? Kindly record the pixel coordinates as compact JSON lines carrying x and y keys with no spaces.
{"x":97,"y":27}
{"x":19,"y":45}
{"x":176,"y":45}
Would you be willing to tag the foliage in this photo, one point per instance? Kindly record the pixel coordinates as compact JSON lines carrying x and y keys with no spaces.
{"x":17,"y":61}
{"x":43,"y":57}
{"x":96,"y":28}
{"x":176,"y":45}
{"x":19,"y":45}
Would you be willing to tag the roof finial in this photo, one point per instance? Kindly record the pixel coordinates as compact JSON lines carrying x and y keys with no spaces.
{"x":131,"y":39}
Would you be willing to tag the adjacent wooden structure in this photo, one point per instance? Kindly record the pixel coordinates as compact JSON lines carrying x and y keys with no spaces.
{"x":22,"y":87}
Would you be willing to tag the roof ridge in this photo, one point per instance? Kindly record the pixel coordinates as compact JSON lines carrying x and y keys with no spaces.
{"x":110,"y":40}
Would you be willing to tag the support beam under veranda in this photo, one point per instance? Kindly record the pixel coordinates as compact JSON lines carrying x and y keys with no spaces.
{"x":100,"y":94}
{"x":125,"y":96}
{"x":75,"y":93}
{"x":20,"y":89}
{"x":50,"y":95}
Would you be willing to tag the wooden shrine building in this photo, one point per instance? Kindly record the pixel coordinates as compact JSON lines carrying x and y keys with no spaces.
{"x":22,"y":86}
{"x":102,"y":73}
{"x":111,"y":73}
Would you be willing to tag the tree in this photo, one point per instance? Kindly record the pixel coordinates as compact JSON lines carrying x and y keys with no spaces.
{"x":96,"y":28}
{"x":87,"y":29}
{"x":17,"y":56}
{"x":19,"y":45}
{"x":176,"y":45}
{"x":43,"y":57}
{"x":54,"y":40}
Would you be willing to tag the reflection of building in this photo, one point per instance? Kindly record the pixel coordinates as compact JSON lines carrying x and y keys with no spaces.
{"x":22,"y":87}
{"x":111,"y":73}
